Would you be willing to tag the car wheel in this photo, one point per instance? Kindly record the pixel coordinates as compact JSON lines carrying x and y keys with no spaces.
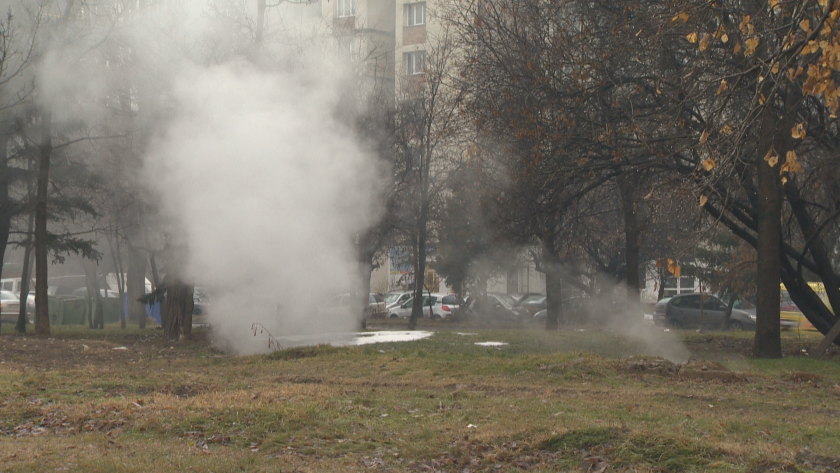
{"x":735,"y":325}
{"x":394,"y":316}
{"x":674,"y":323}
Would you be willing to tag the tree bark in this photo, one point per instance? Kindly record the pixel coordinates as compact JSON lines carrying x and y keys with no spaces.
{"x":420,"y":263}
{"x":136,"y":284}
{"x":118,"y":274}
{"x":5,"y":200}
{"x":42,"y":311}
{"x":26,"y":277}
{"x":728,"y":315}
{"x":176,"y":312}
{"x":631,"y":240}
{"x":365,"y":270}
{"x":28,"y":256}
{"x":553,"y":285}
{"x":768,"y":342}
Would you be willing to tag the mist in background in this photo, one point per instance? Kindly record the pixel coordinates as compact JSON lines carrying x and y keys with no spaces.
{"x":260,"y":187}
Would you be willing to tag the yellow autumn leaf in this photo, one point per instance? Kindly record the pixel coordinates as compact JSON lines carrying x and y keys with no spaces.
{"x":704,"y":42}
{"x":774,"y":68}
{"x":811,"y":47}
{"x":703,"y":200}
{"x":798,"y":131}
{"x":772,"y":158}
{"x":726,"y":130}
{"x":762,"y":99}
{"x":805,"y":25}
{"x":752,"y":44}
{"x":683,"y":16}
{"x":737,"y":48}
{"x":773,"y":3}
{"x":673,"y":267}
{"x":708,"y":164}
{"x":691,"y":37}
{"x":723,"y":86}
{"x":704,"y":137}
{"x":784,"y":180}
{"x":724,"y":38}
{"x":791,"y":163}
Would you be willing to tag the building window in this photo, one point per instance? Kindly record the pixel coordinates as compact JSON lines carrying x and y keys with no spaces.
{"x":415,"y":14}
{"x":345,"y":8}
{"x":415,"y":62}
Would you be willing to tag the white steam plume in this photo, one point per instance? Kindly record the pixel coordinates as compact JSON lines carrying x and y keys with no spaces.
{"x":267,"y":190}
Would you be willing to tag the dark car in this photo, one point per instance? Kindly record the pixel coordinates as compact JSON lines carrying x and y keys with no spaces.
{"x":694,"y":310}
{"x":534,"y":304}
{"x":500,"y":306}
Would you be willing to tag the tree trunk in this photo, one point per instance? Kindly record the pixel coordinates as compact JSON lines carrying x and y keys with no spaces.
{"x":42,"y":311}
{"x":631,"y":240}
{"x":176,"y":312}
{"x":553,"y":286}
{"x":419,"y":274}
{"x":728,"y":315}
{"x":420,"y":264}
{"x":5,"y":200}
{"x":28,"y":257}
{"x":155,"y":274}
{"x":118,"y":273}
{"x":661,"y":293}
{"x":26,"y":277}
{"x":136,"y":284}
{"x":768,"y":342}
{"x":365,"y":270}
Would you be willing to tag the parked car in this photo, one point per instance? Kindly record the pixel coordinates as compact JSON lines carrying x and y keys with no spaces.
{"x":343,"y":302}
{"x":684,"y":311}
{"x":396,"y":299}
{"x":534,"y":304}
{"x":527,"y":297}
{"x":201,"y":300}
{"x":498,"y":306}
{"x":584,"y":309}
{"x":376,"y":306}
{"x":9,"y":306}
{"x":433,"y":302}
{"x":450,"y":303}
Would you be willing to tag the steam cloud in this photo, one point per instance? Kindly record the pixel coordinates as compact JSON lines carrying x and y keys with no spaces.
{"x":268,"y":190}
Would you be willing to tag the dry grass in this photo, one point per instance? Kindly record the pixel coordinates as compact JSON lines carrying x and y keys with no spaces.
{"x":546,"y":402}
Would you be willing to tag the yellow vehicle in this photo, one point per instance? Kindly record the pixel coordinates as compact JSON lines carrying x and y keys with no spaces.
{"x":792,"y":318}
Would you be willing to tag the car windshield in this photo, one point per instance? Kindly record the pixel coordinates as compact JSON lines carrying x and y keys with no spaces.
{"x":451,"y":299}
{"x":532,"y":298}
{"x":506,"y":299}
{"x":664,"y":300}
{"x":392,"y":297}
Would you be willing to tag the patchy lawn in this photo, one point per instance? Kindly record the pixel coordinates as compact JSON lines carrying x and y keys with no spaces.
{"x":576,"y":400}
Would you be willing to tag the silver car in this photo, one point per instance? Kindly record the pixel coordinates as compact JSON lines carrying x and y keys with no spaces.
{"x":694,"y":310}
{"x":431,"y":303}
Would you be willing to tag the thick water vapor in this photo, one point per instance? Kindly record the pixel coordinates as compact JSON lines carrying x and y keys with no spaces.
{"x":267,"y":190}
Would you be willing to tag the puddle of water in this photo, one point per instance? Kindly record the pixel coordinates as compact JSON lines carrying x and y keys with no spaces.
{"x":367,"y":338}
{"x":491,"y":344}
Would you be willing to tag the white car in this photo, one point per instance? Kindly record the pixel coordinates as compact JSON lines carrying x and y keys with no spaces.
{"x":433,"y":302}
{"x":395,"y":299}
{"x":9,"y":306}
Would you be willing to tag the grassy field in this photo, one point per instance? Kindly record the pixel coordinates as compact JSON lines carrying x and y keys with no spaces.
{"x":576,"y":400}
